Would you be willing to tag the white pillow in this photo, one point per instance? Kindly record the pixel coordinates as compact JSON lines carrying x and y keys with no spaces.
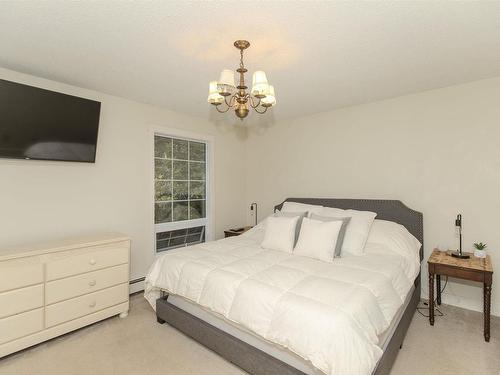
{"x":301,"y":207}
{"x":300,"y":215}
{"x":280,"y":233}
{"x":394,"y":237}
{"x":357,"y":231}
{"x":318,"y":239}
{"x":340,"y":239}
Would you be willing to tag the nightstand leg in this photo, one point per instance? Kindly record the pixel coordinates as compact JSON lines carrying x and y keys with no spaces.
{"x":487,"y":306}
{"x":431,"y":299}
{"x":438,"y":289}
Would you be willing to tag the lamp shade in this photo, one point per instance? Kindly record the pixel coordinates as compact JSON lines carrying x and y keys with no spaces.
{"x":270,"y":98}
{"x":259,"y":84}
{"x":227,"y":78}
{"x":213,"y":94}
{"x":259,"y":77}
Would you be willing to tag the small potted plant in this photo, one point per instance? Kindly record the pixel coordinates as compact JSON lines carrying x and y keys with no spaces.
{"x":480,"y":251}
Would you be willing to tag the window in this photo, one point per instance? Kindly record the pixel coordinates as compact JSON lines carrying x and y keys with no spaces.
{"x":180,"y":192}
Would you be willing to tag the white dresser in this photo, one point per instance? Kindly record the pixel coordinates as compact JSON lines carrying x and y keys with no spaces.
{"x":49,"y":289}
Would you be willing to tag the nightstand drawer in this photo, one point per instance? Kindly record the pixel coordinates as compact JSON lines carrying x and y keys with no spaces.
{"x":461,"y":273}
{"x":18,"y":273}
{"x":20,"y":325}
{"x":87,"y":260}
{"x":20,"y":300}
{"x":74,"y":308}
{"x":75,"y":286}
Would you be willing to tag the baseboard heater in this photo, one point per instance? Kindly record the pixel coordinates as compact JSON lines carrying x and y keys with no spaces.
{"x":135,"y":281}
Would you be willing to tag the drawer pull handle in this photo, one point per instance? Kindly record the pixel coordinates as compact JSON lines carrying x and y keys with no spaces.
{"x":92,"y":261}
{"x":92,"y":304}
{"x":92,"y":283}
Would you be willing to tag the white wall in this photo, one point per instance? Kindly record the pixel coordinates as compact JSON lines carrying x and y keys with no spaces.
{"x":437,"y":151}
{"x":45,"y":200}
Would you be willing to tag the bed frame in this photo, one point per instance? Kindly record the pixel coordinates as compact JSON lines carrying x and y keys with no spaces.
{"x":255,"y":361}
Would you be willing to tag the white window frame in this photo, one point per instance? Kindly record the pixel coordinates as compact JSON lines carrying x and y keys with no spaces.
{"x":209,"y":219}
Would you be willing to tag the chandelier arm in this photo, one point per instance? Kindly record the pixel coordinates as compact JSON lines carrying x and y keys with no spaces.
{"x":252,"y":103}
{"x":222,"y":111}
{"x":231,"y":103}
{"x":259,"y":112}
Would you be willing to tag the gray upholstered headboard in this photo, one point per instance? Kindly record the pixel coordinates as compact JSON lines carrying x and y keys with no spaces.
{"x":391,"y":210}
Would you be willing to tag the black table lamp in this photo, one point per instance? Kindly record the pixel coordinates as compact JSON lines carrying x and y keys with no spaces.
{"x":458,"y":253}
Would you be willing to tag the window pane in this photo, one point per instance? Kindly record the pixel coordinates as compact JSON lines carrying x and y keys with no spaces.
{"x":196,"y":190}
{"x":179,"y":238}
{"x":163,"y":212}
{"x":193,"y":238}
{"x":162,"y":245}
{"x":196,"y":151}
{"x":195,"y":230}
{"x":197,"y":171}
{"x":163,"y":190}
{"x":178,"y":233}
{"x":180,"y":170}
{"x":180,"y":190}
{"x":163,"y":169}
{"x":196,"y":209}
{"x":180,"y":211}
{"x":177,"y":242}
{"x":163,"y":236}
{"x":163,"y":147}
{"x":180,"y":149}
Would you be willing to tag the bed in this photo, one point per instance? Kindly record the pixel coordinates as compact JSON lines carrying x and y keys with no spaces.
{"x":229,"y":312}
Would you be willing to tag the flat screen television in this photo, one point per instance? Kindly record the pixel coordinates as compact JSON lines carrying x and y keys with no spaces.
{"x":46,"y":125}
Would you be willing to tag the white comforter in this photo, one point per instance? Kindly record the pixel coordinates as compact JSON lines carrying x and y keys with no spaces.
{"x":328,"y":313}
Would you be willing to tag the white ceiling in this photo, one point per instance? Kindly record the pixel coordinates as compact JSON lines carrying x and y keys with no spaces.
{"x":318,"y":55}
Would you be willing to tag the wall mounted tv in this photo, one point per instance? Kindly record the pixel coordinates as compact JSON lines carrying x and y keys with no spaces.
{"x":46,"y":125}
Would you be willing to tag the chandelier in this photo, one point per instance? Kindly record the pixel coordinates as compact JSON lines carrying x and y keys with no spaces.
{"x":225,"y":95}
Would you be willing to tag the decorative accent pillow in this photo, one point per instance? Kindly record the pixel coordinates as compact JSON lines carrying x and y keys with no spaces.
{"x":318,"y":239}
{"x":394,"y":237}
{"x":301,"y":207}
{"x":300,"y":215}
{"x":340,"y":240}
{"x":280,"y":233}
{"x":357,"y":231}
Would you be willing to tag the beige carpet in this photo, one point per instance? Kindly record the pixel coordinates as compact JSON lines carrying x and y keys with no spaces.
{"x":138,"y":345}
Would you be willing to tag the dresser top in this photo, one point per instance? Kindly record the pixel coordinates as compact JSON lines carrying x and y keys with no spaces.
{"x":444,"y":257}
{"x":45,"y":247}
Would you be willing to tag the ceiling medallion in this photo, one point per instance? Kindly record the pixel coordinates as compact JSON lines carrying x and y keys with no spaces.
{"x":224,"y":94}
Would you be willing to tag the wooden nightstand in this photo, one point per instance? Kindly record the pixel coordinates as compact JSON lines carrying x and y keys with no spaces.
{"x":236,"y":232}
{"x":474,"y":269}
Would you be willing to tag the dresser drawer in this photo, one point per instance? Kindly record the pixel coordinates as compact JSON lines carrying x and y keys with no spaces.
{"x":20,"y":325}
{"x":87,"y":260}
{"x":80,"y":306}
{"x":20,"y":300}
{"x":75,"y":286}
{"x":19,"y":273}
